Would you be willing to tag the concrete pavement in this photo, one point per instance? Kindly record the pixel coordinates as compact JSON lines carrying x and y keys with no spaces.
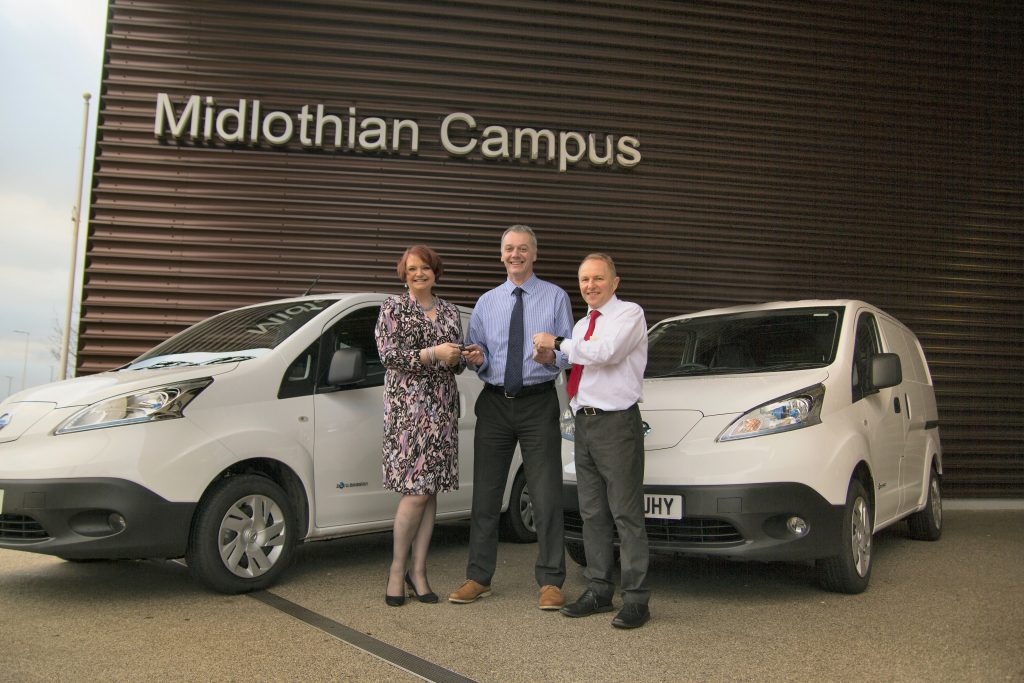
{"x":945,"y":611}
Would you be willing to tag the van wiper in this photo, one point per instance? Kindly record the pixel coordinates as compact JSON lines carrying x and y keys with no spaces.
{"x":684,"y":369}
{"x":169,"y":364}
{"x":228,"y":359}
{"x":793,"y":365}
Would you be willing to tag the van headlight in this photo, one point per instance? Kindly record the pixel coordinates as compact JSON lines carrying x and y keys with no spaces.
{"x":149,"y":405}
{"x":798,"y":410}
{"x":567,"y":423}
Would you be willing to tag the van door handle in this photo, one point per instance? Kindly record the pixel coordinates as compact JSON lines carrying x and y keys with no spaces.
{"x":896,"y":404}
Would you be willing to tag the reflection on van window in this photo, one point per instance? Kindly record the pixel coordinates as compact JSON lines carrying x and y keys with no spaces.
{"x":865,"y":347}
{"x":354,"y":331}
{"x":232,"y":336}
{"x":753,"y":341}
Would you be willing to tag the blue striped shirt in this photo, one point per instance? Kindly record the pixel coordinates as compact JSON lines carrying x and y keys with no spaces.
{"x":545,"y":309}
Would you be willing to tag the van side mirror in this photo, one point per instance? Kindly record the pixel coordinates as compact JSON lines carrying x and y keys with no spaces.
{"x":348,"y":366}
{"x":886,"y":370}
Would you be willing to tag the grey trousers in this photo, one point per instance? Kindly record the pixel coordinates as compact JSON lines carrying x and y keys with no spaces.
{"x":532,"y":422}
{"x":610,"y":484}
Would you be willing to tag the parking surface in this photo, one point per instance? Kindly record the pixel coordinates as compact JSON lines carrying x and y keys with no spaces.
{"x":945,"y":611}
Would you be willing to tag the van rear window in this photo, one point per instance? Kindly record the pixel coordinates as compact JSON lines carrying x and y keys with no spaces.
{"x":752,"y":341}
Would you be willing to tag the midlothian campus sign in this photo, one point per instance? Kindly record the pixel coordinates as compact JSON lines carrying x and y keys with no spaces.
{"x":202,"y":119}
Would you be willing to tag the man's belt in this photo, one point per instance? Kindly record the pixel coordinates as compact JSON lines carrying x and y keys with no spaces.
{"x":525,"y":391}
{"x":588,"y":410}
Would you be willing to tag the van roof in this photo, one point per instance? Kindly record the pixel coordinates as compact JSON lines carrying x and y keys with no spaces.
{"x":777,"y":305}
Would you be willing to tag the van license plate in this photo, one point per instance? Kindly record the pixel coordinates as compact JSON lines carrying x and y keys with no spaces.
{"x":657,"y":506}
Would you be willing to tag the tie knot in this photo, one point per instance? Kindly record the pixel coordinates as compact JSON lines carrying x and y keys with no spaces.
{"x":518,"y":291}
{"x":594,"y":314}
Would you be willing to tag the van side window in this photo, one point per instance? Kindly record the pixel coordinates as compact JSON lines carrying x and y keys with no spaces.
{"x":299,"y":378}
{"x":354,"y":331}
{"x":865,"y":346}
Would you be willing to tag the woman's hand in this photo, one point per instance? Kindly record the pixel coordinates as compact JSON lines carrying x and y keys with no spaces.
{"x":447,"y":353}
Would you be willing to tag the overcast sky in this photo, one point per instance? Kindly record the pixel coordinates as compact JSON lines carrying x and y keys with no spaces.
{"x":52,"y":52}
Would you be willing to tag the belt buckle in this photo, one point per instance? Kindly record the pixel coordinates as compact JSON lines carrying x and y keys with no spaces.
{"x":587,"y":410}
{"x":506,"y":393}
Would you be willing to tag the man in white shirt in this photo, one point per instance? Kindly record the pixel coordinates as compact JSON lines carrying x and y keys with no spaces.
{"x":608,"y":350}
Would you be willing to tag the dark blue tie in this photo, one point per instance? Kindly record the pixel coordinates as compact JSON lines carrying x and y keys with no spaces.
{"x":514,"y":360}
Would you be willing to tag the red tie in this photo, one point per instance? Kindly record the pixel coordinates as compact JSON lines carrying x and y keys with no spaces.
{"x":577,"y":369}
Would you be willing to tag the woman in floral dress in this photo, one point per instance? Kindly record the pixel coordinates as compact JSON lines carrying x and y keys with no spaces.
{"x":418,"y":337}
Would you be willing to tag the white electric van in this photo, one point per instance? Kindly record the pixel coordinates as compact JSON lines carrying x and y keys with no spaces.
{"x":227,"y":444}
{"x":784,"y":431}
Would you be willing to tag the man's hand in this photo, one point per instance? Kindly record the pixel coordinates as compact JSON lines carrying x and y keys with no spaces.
{"x":474,"y":355}
{"x":546,"y":357}
{"x":542,"y":341}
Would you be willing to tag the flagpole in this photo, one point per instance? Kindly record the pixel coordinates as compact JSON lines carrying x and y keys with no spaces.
{"x":76,"y":215}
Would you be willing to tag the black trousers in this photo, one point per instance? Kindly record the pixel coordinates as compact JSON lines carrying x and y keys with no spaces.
{"x":610,"y":485}
{"x":501,"y":423}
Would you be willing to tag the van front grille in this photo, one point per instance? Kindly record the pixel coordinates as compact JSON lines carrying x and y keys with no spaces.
{"x":689,"y":531}
{"x":21,"y":529}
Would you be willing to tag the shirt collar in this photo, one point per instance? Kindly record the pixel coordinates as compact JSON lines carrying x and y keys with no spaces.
{"x":527,"y":286}
{"x":608,"y":305}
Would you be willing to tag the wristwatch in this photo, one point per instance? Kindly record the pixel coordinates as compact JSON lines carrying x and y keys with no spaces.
{"x":558,"y":343}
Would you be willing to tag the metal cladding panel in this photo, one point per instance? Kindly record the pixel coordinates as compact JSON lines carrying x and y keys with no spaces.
{"x":789,"y":150}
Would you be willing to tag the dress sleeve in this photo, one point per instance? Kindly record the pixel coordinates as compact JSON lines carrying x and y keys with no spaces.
{"x":460,"y":339}
{"x":390,"y":334}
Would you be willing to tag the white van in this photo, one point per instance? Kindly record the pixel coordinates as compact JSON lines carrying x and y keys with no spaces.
{"x":784,"y":431}
{"x":226,"y":444}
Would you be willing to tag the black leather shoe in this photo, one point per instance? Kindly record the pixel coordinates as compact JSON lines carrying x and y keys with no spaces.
{"x":394,"y":600}
{"x":587,"y":604}
{"x":632,"y":615}
{"x":426,"y":597}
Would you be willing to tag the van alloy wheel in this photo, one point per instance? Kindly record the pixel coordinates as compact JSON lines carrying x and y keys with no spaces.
{"x":252,"y":536}
{"x":860,"y":537}
{"x":926,"y":524}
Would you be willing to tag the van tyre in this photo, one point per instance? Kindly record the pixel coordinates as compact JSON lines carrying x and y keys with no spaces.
{"x":850,"y":570}
{"x":518,"y":524}
{"x":243,"y":536}
{"x":926,"y":525}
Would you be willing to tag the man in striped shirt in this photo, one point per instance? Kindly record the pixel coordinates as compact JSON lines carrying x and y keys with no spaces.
{"x":518,"y":406}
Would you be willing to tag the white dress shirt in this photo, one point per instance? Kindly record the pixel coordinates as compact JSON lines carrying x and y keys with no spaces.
{"x":613,"y":359}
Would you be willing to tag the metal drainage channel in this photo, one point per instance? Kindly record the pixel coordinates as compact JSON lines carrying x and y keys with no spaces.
{"x":388,"y":653}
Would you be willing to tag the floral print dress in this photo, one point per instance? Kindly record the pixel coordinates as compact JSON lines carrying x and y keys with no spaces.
{"x":421,"y":402}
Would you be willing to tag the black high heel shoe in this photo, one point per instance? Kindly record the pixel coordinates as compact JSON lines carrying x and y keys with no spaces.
{"x":394,"y":600}
{"x":426,"y":597}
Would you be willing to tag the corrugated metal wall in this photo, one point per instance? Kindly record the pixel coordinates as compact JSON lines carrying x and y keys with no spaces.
{"x":790,"y":150}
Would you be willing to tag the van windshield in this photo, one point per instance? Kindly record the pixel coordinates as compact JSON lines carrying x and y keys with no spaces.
{"x":232,"y":336}
{"x":753,"y":341}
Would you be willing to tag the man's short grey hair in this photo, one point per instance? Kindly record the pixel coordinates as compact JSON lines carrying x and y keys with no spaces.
{"x":525,"y":230}
{"x":598,"y":256}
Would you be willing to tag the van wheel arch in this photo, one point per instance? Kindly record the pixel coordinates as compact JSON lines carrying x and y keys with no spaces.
{"x":926,"y":524}
{"x":282,"y":475}
{"x":850,"y":570}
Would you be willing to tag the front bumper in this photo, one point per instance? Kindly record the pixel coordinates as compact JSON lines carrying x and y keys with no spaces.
{"x":95,"y":518}
{"x":741,"y":521}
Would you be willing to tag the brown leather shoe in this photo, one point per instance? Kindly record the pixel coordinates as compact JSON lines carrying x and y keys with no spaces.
{"x":469,"y":592}
{"x":551,"y":597}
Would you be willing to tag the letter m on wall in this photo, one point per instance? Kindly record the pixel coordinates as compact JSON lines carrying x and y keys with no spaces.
{"x":165,"y":112}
